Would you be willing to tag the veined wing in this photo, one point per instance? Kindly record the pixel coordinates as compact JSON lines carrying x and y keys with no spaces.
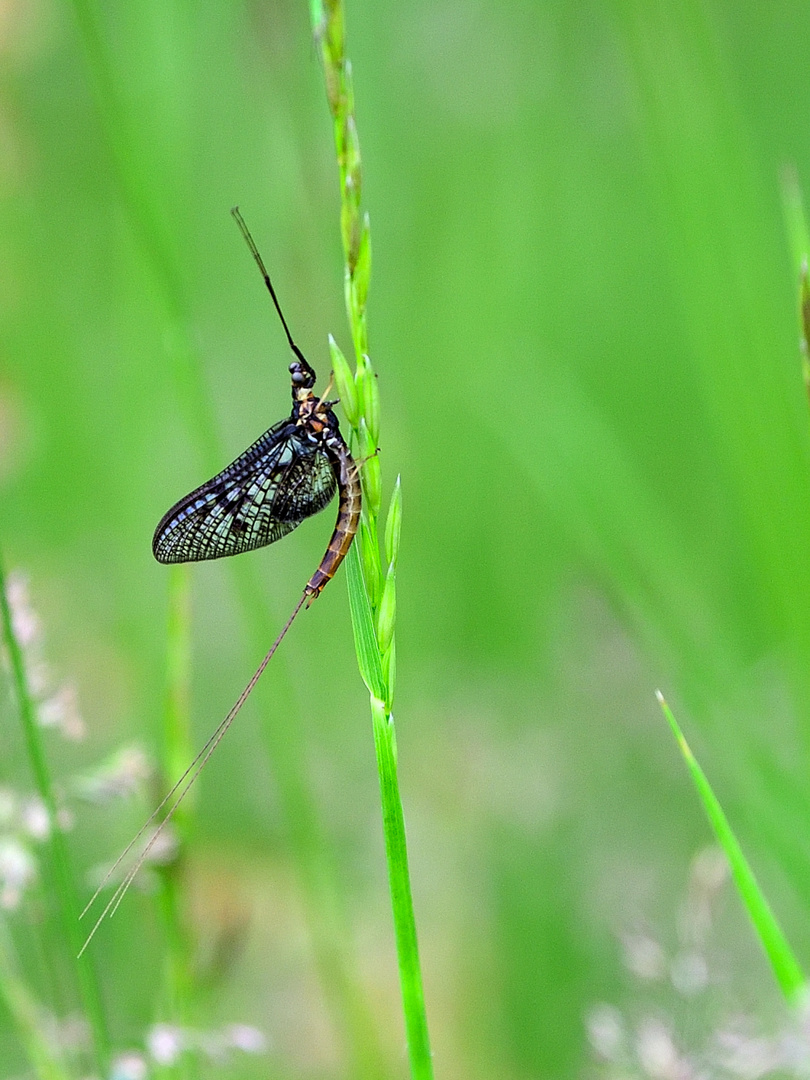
{"x":260,"y":497}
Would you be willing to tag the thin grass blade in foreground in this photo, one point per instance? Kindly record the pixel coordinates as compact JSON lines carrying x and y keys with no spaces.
{"x":372,"y":591}
{"x":785,"y":966}
{"x":63,"y":882}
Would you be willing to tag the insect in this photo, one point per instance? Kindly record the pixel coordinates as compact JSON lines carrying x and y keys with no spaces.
{"x":288,"y":474}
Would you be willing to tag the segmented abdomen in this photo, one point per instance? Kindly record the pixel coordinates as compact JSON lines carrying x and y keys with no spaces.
{"x":348,"y":519}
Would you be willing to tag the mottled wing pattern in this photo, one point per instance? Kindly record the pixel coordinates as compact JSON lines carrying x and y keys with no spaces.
{"x":270,"y":488}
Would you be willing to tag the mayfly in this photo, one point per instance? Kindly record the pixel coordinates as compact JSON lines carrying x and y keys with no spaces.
{"x":288,"y":474}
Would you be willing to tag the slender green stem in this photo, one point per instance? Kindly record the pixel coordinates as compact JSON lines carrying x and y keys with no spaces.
{"x":64,"y":885}
{"x":396,"y":850}
{"x":372,"y":588}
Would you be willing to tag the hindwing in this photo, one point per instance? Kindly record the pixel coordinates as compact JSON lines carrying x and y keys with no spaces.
{"x":280,"y":480}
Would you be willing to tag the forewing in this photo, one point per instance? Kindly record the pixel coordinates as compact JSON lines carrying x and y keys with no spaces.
{"x":258,"y":498}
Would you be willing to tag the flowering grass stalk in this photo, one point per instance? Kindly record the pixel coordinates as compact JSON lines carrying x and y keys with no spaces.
{"x":372,"y":583}
{"x":60,"y":873}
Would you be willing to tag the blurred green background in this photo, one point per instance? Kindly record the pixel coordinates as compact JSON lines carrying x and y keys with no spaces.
{"x":583,"y":317}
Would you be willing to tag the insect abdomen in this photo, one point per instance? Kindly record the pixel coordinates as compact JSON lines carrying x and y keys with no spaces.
{"x":348,"y":518}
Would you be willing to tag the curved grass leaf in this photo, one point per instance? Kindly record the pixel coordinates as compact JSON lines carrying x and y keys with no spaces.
{"x":785,"y":966}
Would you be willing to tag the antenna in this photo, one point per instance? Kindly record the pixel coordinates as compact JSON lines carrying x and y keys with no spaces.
{"x":251,"y":243}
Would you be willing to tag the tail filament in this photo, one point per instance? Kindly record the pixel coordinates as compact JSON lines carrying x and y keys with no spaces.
{"x":178,"y":792}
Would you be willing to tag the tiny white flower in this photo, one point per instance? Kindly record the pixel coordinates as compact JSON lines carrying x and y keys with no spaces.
{"x":120,"y":776}
{"x":35,"y":819}
{"x":129,"y":1067}
{"x":246,"y":1038}
{"x":644,"y":956}
{"x":39,"y":675}
{"x":165,"y":1042}
{"x":61,"y":711}
{"x":24,"y":619}
{"x":17,"y":870}
{"x":657,"y":1054}
{"x":710,"y":869}
{"x":606,"y":1032}
{"x":748,"y":1057}
{"x":164,"y":849}
{"x":72,"y":1032}
{"x":689,"y":973}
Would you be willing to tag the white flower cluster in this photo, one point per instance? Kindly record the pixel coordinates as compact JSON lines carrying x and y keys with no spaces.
{"x":24,"y":822}
{"x":57,"y":706}
{"x":650,"y":1050}
{"x":24,"y":818}
{"x":167,"y":1043}
{"x":120,"y":776}
{"x":649,"y":1047}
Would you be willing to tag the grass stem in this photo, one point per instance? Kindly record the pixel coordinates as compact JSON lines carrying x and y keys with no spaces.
{"x":372,"y":587}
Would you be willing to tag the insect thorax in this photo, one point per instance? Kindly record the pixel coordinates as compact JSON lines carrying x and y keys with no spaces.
{"x":314,"y":416}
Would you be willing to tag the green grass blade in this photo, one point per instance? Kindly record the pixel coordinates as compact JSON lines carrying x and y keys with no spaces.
{"x":785,"y":966}
{"x":66,"y":894}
